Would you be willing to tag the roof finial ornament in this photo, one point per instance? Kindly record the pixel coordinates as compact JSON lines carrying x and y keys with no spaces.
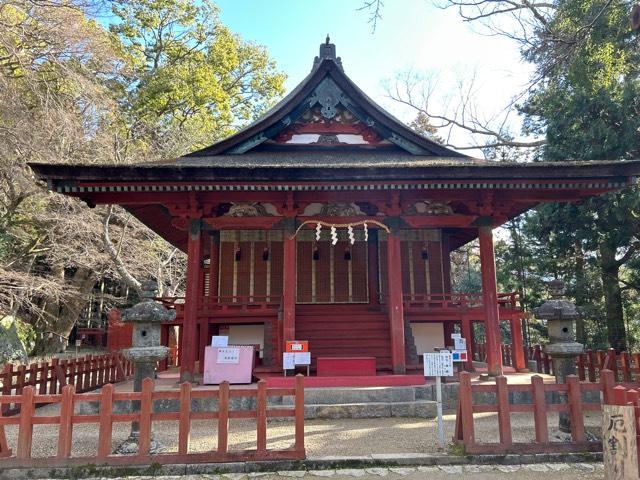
{"x":327,"y":52}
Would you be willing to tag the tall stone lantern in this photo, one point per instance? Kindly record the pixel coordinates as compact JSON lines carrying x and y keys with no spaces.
{"x":561,"y":315}
{"x":145,"y":351}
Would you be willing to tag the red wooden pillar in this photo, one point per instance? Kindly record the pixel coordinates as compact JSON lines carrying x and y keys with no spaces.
{"x":372,"y":273}
{"x":448,"y":328}
{"x":189,"y":332}
{"x":467,"y":333}
{"x":490,"y":300}
{"x":519,"y":361}
{"x":396,"y":310}
{"x":289,"y":282}
{"x":214,"y":250}
{"x":471,"y":341}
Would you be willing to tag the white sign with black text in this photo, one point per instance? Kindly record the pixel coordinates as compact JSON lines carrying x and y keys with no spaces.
{"x":438,"y":364}
{"x":229,"y":355}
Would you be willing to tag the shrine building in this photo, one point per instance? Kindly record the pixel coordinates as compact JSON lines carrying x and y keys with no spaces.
{"x":328,"y":220}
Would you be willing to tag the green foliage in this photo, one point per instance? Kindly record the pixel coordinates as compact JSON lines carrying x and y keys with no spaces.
{"x":194,"y":82}
{"x":587,"y":104}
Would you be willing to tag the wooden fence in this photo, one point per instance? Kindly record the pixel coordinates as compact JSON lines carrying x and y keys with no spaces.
{"x":625,"y":365}
{"x":145,"y":416}
{"x":539,"y":407}
{"x":50,"y":377}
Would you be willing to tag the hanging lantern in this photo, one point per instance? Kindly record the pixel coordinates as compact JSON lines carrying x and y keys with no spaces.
{"x":424,"y":253}
{"x":352,"y":239}
{"x":318,"y":229}
{"x":334,"y":235}
{"x":316,"y":253}
{"x":238,"y":254}
{"x":366,"y":232}
{"x":265,"y":254}
{"x":347,"y":254}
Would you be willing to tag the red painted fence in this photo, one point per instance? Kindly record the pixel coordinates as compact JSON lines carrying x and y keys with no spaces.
{"x":145,"y":416}
{"x":539,"y":408}
{"x":50,"y":377}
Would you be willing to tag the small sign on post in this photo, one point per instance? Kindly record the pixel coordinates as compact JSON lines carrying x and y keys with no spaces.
{"x":619,"y":442}
{"x":438,"y":365}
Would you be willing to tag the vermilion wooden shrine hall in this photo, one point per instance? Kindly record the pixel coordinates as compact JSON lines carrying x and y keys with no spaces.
{"x":255,"y":212}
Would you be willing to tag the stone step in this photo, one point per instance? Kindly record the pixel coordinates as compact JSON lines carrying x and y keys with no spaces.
{"x":420,"y":409}
{"x":344,"y":395}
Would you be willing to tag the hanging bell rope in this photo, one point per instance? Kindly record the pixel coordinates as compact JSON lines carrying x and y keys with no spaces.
{"x":364,"y":223}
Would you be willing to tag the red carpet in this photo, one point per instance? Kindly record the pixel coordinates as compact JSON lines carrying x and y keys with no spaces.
{"x":361,"y":381}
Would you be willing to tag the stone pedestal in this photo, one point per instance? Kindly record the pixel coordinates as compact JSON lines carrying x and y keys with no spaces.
{"x":560,"y":315}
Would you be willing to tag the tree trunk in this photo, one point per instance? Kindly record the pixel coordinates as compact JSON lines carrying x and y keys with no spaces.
{"x":62,"y":315}
{"x":609,"y":270}
{"x":580,"y":293}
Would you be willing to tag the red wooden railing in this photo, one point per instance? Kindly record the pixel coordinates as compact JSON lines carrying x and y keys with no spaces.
{"x":50,"y":377}
{"x":145,"y":415}
{"x":456,"y":301}
{"x":223,"y":304}
{"x":503,"y":406}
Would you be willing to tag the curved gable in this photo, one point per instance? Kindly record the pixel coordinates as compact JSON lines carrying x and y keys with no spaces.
{"x":327,"y":111}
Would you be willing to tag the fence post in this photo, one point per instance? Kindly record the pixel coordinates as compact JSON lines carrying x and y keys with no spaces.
{"x":504,"y":415}
{"x":607,"y":383}
{"x":574,"y":398}
{"x":61,"y":373}
{"x":106,"y":423}
{"x":299,"y":413}
{"x":580,"y":366}
{"x":539,"y":410}
{"x":100,"y":368}
{"x":592,"y":365}
{"x":52,"y":375}
{"x":146,"y":406}
{"x":223,"y":416}
{"x":635,"y":371}
{"x":261,"y":417}
{"x":43,"y":373}
{"x":612,"y":361}
{"x":625,"y":360}
{"x":184,"y":425}
{"x":465,"y":399}
{"x":65,"y":431}
{"x":25,"y":432}
{"x":7,"y":385}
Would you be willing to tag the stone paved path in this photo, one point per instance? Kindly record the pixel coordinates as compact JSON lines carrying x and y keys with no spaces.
{"x":548,"y":471}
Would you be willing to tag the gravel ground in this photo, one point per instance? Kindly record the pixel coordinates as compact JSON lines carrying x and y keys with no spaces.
{"x":342,"y":437}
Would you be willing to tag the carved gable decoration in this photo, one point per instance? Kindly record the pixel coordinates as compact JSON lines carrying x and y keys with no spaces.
{"x":247,"y":209}
{"x":339,"y":209}
{"x":335,"y":126}
{"x":429,"y":207}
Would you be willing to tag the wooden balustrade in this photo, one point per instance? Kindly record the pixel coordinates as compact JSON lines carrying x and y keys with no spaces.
{"x":146,"y":415}
{"x":539,"y":406}
{"x":50,"y":377}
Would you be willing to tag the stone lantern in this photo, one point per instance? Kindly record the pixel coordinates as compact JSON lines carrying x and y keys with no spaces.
{"x":146,"y":351}
{"x":561,"y":315}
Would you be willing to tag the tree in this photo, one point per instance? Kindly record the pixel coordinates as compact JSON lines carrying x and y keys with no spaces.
{"x":73,"y":92}
{"x":193,"y":81}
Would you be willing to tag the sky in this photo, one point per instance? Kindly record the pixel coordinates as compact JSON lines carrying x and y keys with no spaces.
{"x":412,"y":35}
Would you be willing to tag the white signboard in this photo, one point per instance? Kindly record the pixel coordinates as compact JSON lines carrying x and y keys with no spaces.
{"x":220,"y":341}
{"x":302,"y":358}
{"x":288,"y":361}
{"x":228,"y":355}
{"x":438,"y":364}
{"x":459,"y":343}
{"x":456,"y":335}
